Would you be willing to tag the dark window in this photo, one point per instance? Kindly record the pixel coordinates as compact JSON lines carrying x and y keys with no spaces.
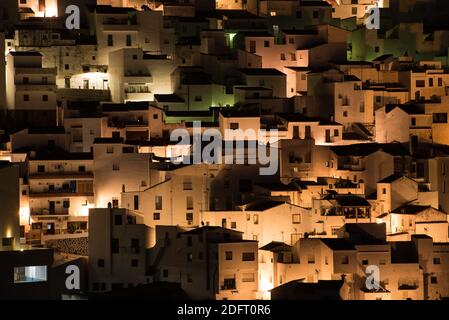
{"x":189,"y":256}
{"x":100,"y":263}
{"x":135,"y":245}
{"x":228,"y":255}
{"x":430,"y":82}
{"x":433,"y":280}
{"x":436,"y":261}
{"x":134,"y":263}
{"x":128,"y":40}
{"x":266,"y":43}
{"x":110,"y":40}
{"x":6,"y":242}
{"x":315,"y":14}
{"x":440,"y":118}
{"x":420,"y":83}
{"x":128,"y":150}
{"x":45,"y":97}
{"x":189,"y":241}
{"x":81,"y":169}
{"x":118,"y":220}
{"x":248,"y":256}
{"x":156,"y":216}
{"x":40,"y":168}
{"x":413,"y":121}
{"x":365,"y":262}
{"x":114,"y":245}
{"x":26,"y":97}
{"x":136,"y":202}
{"x":66,"y":204}
{"x":165,"y":273}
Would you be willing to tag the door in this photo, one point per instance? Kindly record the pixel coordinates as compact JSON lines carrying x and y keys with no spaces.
{"x":51,"y":207}
{"x":328,"y":135}
{"x":295,"y":132}
{"x":86,"y":83}
{"x":308,"y":133}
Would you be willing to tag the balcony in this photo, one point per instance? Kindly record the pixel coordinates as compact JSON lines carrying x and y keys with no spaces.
{"x":49,"y":212}
{"x":60,"y":193}
{"x":61,"y":175}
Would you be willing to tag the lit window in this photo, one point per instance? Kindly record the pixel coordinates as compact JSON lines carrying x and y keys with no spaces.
{"x":30,"y":274}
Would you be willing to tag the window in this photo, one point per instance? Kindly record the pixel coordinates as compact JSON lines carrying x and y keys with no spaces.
{"x":135,"y":245}
{"x":156,"y":216}
{"x":189,"y":203}
{"x":189,"y":278}
{"x":413,"y":121}
{"x":26,"y":97}
{"x":81,"y":168}
{"x":228,"y":255}
{"x":100,"y":263}
{"x":315,"y":14}
{"x":30,"y":274}
{"x":440,"y":118}
{"x":336,"y":134}
{"x":189,"y":241}
{"x":433,"y":280}
{"x":282,"y":56}
{"x":110,"y":40}
{"x":165,"y":273}
{"x":256,"y":219}
{"x":118,"y":219}
{"x":430,"y":82}
{"x":189,"y":216}
{"x":115,"y":167}
{"x":7,"y":242}
{"x":66,"y":204}
{"x":382,"y":262}
{"x":158,"y":202}
{"x":345,"y":114}
{"x":110,"y":149}
{"x":26,"y":80}
{"x":115,"y":245}
{"x":45,"y":80}
{"x":354,"y":10}
{"x":40,"y":168}
{"x":134,"y":263}
{"x":384,"y":190}
{"x":365,"y":262}
{"x":189,"y":256}
{"x":266,"y":44}
{"x":420,"y":83}
{"x":128,"y":40}
{"x":345,"y":260}
{"x":248,"y":256}
{"x":233,"y":225}
{"x":187,"y":183}
{"x":436,"y":261}
{"x":198,"y":98}
{"x":136,"y":202}
{"x":296,"y":218}
{"x":311,"y":259}
{"x":440,"y":82}
{"x":234,"y":126}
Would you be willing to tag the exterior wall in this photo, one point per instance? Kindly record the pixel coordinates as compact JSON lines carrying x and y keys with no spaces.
{"x":245,"y":273}
{"x":9,"y":197}
{"x":125,"y":267}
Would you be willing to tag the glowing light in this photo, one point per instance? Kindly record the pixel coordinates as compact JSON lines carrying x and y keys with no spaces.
{"x":84,"y":211}
{"x":51,"y":11}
